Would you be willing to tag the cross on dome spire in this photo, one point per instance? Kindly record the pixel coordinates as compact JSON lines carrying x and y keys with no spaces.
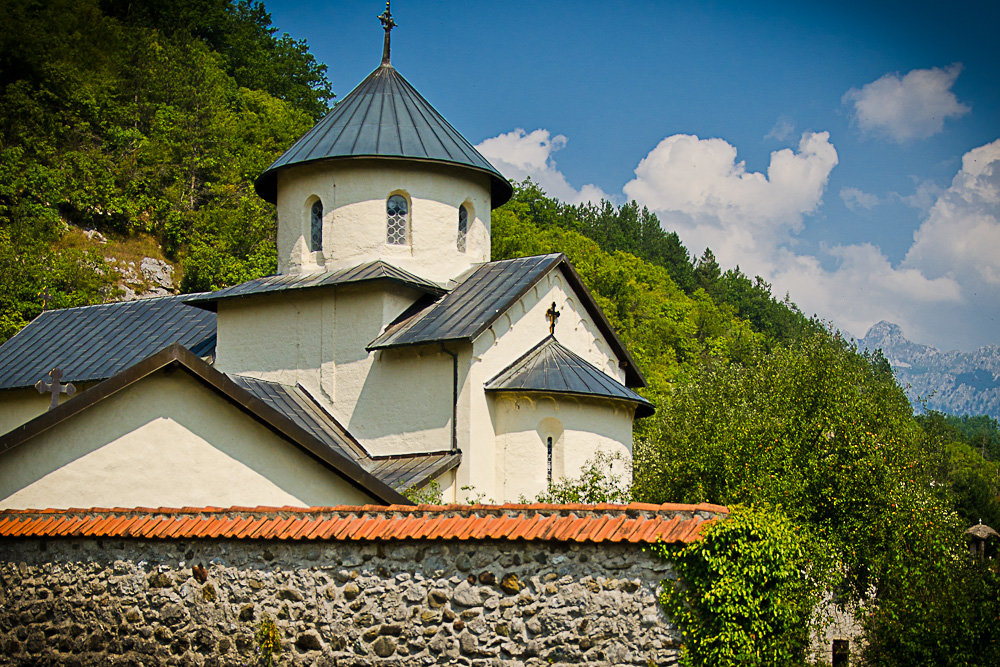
{"x":387,"y":24}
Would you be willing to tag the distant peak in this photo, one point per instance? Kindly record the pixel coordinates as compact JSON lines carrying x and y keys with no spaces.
{"x":884,"y":328}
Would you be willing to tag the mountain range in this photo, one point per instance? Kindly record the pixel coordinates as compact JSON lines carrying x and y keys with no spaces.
{"x":954,"y":382}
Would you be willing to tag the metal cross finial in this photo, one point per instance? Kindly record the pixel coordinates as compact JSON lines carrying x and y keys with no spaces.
{"x":54,"y":387}
{"x":552,"y":315}
{"x":388,"y":24}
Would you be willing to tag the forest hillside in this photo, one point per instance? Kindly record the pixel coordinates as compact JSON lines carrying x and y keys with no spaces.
{"x":143,"y":124}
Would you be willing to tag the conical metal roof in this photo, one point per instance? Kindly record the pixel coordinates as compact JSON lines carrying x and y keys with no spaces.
{"x":552,"y":369}
{"x":384,"y":117}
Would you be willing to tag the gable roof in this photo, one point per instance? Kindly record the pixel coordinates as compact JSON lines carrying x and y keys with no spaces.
{"x":489,"y":290}
{"x":367,"y":272}
{"x":176,"y":356}
{"x":95,"y":342}
{"x":552,"y":369}
{"x":636,"y":523}
{"x":401,"y":472}
{"x":384,"y":117}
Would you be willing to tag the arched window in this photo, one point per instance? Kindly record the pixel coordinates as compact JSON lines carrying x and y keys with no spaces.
{"x":316,"y":227}
{"x":463,"y":226}
{"x":396,"y":220}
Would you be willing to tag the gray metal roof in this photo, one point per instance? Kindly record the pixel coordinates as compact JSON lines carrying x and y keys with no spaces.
{"x":472,"y":306}
{"x":95,"y":342}
{"x":384,"y":117}
{"x":375,"y":270}
{"x":552,"y":369}
{"x":484,"y":294}
{"x":398,"y":472}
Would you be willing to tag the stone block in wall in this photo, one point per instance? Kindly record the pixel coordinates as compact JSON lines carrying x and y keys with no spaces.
{"x":89,"y":602}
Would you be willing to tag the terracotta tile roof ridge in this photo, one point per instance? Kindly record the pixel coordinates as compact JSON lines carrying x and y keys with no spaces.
{"x":634,"y":522}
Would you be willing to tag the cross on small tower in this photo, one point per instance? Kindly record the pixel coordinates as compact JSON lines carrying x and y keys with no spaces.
{"x":54,"y":387}
{"x":552,"y":315}
{"x":388,"y":24}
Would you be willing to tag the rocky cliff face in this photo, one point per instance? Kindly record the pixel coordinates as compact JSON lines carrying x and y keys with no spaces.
{"x":953,"y":382}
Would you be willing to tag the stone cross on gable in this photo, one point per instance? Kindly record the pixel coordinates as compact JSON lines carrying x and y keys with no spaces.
{"x":54,"y":387}
{"x":552,"y":315}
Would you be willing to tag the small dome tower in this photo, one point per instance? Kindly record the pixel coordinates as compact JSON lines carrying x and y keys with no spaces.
{"x":383,"y":176}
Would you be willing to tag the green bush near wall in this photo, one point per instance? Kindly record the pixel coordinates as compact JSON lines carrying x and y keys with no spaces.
{"x":746,"y":591}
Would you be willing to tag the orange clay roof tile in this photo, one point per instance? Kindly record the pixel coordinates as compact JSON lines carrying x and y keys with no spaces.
{"x":634,"y":523}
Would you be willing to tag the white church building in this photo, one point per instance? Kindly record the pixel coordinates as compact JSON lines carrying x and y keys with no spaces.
{"x":386,"y":352}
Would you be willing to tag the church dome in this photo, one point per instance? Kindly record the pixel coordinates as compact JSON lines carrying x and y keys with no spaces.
{"x":384,"y":117}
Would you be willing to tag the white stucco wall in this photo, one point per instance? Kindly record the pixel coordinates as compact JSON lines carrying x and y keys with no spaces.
{"x":579,"y":428}
{"x":519,"y":329}
{"x":354,"y":194}
{"x":165,"y":441}
{"x":392,"y":402}
{"x":20,"y":405}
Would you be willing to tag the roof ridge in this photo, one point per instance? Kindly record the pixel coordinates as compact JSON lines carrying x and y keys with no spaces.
{"x":455,"y":508}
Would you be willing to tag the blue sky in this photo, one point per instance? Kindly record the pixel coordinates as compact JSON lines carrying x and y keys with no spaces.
{"x":847,"y":152}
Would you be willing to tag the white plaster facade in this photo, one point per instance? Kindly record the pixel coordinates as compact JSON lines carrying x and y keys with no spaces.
{"x":354,"y":195}
{"x":168,"y":441}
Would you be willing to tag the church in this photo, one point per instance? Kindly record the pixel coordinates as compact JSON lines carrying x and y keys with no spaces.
{"x":387,"y":352}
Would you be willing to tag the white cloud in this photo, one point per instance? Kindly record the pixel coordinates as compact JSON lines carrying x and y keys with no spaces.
{"x":961,"y":235}
{"x":924,"y":195}
{"x":519,"y":154}
{"x":698,"y":188}
{"x":855,"y":199}
{"x":912,"y":106}
{"x":783,"y":130}
{"x":861,"y":289}
{"x":945,"y":292}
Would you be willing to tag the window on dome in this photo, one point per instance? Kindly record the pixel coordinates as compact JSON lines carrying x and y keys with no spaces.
{"x":396,"y":220}
{"x":316,"y":227}
{"x":463,"y":226}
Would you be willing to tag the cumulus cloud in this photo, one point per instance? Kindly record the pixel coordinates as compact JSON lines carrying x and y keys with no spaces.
{"x":783,"y":130}
{"x":856,"y":199}
{"x":946,"y":291}
{"x":699,"y":189}
{"x":519,"y":154}
{"x":912,"y":106}
{"x":961,"y":235}
{"x":861,"y":288}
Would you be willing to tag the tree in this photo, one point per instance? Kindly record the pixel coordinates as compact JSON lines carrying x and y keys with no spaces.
{"x":813,"y":428}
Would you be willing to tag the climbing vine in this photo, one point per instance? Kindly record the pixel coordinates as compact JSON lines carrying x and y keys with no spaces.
{"x":746,"y":591}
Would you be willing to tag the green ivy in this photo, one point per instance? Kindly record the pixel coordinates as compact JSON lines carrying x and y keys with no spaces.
{"x":746,"y":592}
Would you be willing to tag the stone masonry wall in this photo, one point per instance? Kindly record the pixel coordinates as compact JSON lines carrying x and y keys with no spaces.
{"x":139,"y":602}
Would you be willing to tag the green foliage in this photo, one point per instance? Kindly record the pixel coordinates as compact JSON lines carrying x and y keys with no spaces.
{"x":936,"y":606}
{"x":746,"y":591}
{"x":813,"y":427}
{"x":428,"y":494}
{"x":973,"y":480}
{"x":600,"y":481}
{"x":141,"y":117}
{"x":268,"y":642}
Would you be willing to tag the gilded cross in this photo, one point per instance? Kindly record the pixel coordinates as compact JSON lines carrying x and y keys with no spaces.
{"x":552,"y":315}
{"x":387,"y":24}
{"x":54,"y":387}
